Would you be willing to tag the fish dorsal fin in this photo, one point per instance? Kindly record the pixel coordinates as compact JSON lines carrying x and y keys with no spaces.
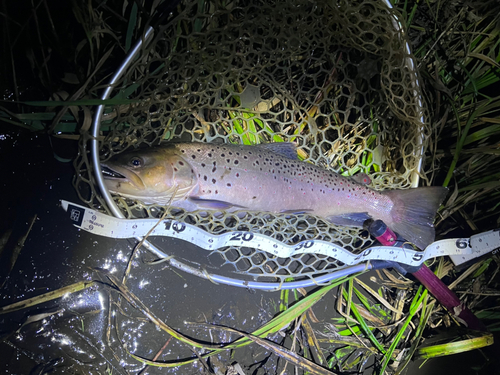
{"x":286,"y":149}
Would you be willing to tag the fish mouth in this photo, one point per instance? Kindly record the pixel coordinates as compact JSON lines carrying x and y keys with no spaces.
{"x":121,"y":175}
{"x":111,"y":174}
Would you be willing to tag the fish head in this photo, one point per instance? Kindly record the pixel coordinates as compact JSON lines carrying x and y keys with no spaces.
{"x":153,"y":175}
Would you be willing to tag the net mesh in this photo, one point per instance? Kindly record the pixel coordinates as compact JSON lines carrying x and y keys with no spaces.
{"x":335,"y":77}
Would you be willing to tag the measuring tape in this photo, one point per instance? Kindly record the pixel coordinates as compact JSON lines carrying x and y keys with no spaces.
{"x":459,"y":250}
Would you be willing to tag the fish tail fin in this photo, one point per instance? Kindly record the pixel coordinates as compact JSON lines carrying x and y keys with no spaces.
{"x":414,"y":211}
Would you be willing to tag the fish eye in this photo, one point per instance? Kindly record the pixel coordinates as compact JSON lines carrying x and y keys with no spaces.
{"x":136,"y":162}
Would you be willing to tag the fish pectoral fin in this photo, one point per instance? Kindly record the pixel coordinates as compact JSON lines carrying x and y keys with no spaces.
{"x":212,"y":203}
{"x":355,"y":219}
{"x":295,"y":212}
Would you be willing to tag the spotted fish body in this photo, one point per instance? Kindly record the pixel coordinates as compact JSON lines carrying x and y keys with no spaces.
{"x":268,"y":178}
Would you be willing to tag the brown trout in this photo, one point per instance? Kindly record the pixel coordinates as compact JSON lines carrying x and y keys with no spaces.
{"x":266,"y":178}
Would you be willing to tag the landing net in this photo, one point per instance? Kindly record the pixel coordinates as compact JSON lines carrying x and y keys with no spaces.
{"x":335,"y":77}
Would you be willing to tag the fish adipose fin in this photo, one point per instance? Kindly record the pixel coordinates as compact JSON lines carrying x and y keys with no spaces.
{"x":349,"y":220}
{"x":362,"y":178}
{"x":414,"y":211}
{"x":212,"y":203}
{"x":286,"y":149}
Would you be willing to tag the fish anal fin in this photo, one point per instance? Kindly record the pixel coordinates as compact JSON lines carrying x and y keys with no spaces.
{"x":355,"y":219}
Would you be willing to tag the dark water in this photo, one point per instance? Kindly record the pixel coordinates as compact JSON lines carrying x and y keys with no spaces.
{"x":85,"y":332}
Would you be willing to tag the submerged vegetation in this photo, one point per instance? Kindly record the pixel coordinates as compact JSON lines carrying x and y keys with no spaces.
{"x":55,"y":62}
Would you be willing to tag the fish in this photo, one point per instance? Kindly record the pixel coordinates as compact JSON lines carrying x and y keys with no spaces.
{"x":266,"y":178}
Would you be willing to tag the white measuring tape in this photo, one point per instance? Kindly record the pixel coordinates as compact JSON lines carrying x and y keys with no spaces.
{"x":460,"y":250}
